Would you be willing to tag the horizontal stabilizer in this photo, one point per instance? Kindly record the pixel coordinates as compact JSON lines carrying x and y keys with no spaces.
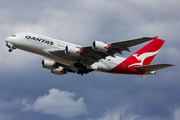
{"x":153,"y":67}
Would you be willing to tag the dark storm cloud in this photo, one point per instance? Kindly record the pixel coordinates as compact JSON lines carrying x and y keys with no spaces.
{"x":105,"y":96}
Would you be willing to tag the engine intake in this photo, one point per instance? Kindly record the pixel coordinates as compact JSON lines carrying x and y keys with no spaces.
{"x":59,"y":71}
{"x":49,"y":64}
{"x":100,"y":46}
{"x":72,"y":51}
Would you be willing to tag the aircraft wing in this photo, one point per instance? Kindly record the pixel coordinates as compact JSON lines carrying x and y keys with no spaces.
{"x":129,"y":43}
{"x":90,"y":55}
{"x":114,"y":47}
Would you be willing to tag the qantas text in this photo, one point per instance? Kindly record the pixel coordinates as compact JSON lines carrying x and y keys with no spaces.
{"x":39,"y":40}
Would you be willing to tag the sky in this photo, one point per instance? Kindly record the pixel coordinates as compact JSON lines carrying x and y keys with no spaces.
{"x":28,"y":91}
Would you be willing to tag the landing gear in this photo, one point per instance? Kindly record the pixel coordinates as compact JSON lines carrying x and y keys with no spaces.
{"x":10,"y":46}
{"x":10,"y":50}
{"x":82,"y":69}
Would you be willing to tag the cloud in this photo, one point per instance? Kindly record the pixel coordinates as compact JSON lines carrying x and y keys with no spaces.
{"x":177,"y":114}
{"x":111,"y":116}
{"x":119,"y":113}
{"x":17,"y":59}
{"x":58,"y":103}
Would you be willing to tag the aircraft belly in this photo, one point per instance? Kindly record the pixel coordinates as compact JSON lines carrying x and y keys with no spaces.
{"x":107,"y":64}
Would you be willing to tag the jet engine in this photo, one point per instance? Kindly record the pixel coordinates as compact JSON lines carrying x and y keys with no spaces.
{"x":49,"y":64}
{"x":59,"y":71}
{"x":100,"y":46}
{"x":72,"y":51}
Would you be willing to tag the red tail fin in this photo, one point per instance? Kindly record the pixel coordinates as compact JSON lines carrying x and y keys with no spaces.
{"x":145,"y":55}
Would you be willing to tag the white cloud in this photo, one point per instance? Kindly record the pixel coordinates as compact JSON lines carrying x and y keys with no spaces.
{"x":177,"y":114}
{"x":58,"y":103}
{"x":118,"y":113}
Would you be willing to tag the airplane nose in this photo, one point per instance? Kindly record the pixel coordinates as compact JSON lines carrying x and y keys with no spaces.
{"x":9,"y":43}
{"x":10,"y":39}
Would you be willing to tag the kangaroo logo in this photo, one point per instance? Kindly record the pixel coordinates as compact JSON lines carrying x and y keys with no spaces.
{"x":142,"y":57}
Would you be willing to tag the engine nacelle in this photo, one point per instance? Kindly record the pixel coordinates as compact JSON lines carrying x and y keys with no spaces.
{"x":72,"y":51}
{"x":100,"y":46}
{"x":49,"y":64}
{"x":59,"y":71}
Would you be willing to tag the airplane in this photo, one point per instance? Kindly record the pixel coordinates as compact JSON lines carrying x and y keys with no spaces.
{"x":100,"y":56}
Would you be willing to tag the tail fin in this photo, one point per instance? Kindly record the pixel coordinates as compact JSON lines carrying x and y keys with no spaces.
{"x":146,"y":54}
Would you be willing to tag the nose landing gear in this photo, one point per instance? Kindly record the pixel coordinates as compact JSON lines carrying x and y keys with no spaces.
{"x":11,"y":49}
{"x":10,"y":46}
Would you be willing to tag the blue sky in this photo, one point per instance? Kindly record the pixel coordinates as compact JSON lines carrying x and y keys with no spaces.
{"x":28,"y":91}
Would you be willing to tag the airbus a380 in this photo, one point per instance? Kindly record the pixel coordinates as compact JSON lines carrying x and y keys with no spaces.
{"x":67,"y":57}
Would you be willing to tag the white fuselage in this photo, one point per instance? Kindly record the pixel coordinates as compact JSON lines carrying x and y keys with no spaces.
{"x":41,"y":45}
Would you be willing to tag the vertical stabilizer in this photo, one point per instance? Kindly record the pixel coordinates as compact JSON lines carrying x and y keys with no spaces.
{"x":146,"y":54}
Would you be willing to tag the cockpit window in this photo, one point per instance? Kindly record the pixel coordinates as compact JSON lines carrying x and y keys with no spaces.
{"x":13,"y":35}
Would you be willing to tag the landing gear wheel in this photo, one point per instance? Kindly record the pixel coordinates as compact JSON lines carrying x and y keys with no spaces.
{"x":10,"y":50}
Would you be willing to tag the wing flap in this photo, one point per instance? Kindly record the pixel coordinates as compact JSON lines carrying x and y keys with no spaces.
{"x":153,"y":67}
